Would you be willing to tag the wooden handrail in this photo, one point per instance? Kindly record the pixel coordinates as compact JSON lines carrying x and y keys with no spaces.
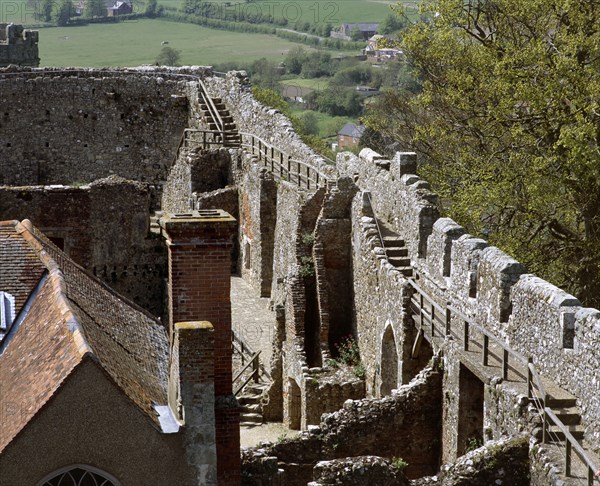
{"x":254,"y":376}
{"x":573,"y":445}
{"x":212,"y":109}
{"x":283,"y":162}
{"x":533,"y":378}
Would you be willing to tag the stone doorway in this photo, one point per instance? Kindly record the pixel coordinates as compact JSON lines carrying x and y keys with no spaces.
{"x":470,"y":411}
{"x":389,"y":363}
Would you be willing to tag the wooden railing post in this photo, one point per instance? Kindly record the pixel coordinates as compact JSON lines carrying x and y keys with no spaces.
{"x":544,"y":426}
{"x":529,"y":378}
{"x":567,"y":457}
{"x":421,"y":310}
{"x":486,"y":345}
{"x":255,"y":369}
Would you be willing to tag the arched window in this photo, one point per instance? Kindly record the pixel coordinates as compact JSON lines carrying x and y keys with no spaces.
{"x":79,"y":475}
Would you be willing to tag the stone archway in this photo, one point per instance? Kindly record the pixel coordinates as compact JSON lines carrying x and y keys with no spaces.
{"x":389,"y":363}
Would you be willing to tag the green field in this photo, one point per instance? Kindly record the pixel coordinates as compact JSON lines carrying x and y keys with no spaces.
{"x":138,"y":42}
{"x":328,"y":125}
{"x":312,"y":83}
{"x":312,"y":11}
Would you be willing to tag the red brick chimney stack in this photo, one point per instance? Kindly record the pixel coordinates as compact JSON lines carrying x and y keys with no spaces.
{"x":200,"y":244}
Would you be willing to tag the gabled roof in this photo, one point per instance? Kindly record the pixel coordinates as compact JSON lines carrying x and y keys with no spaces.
{"x":352,"y":130}
{"x":72,"y":316}
{"x":363,"y":27}
{"x":20,"y":267}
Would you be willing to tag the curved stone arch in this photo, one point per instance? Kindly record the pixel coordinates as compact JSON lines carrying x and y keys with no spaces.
{"x":389,"y":361}
{"x":79,"y":475}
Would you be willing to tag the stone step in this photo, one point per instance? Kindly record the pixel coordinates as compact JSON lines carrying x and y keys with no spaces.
{"x":256,"y":418}
{"x":254,"y":389}
{"x":399,"y":262}
{"x":406,"y":271}
{"x":577,"y":431}
{"x":252,"y":408}
{"x":393,"y":240}
{"x":568,"y":415}
{"x":561,"y":401}
{"x":249,"y":399}
{"x":396,"y":251}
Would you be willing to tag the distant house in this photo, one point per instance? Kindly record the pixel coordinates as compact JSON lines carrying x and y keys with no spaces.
{"x":345,"y":30}
{"x":119,"y":7}
{"x":349,"y":135}
{"x":376,"y":53}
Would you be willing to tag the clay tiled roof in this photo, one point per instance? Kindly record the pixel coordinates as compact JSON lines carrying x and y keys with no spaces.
{"x":20,"y":267}
{"x":74,"y":316}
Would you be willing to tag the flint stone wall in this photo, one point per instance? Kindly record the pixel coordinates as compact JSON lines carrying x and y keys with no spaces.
{"x":66,"y":129}
{"x":403,"y":425}
{"x":267,"y":123}
{"x":103,"y":226}
{"x":536,"y":318}
{"x":358,"y":471}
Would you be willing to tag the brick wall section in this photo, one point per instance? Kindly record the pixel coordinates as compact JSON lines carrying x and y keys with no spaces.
{"x":199,"y":289}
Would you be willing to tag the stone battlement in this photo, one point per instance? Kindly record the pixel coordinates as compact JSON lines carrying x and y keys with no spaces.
{"x":18,"y":46}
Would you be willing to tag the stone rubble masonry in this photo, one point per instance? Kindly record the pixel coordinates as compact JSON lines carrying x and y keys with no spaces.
{"x":192,"y":386}
{"x":358,"y":471}
{"x":406,"y":203}
{"x":258,"y":216}
{"x":199,"y":247}
{"x":91,"y":127}
{"x":267,"y":123}
{"x":381,"y":296}
{"x":103,"y":226}
{"x":501,"y":462}
{"x":195,"y":171}
{"x":405,"y":424}
{"x":535,"y":317}
{"x":18,"y":46}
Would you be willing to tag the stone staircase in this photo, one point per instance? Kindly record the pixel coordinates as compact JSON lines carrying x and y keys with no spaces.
{"x":231,"y":137}
{"x":396,"y":250}
{"x":250,"y":402}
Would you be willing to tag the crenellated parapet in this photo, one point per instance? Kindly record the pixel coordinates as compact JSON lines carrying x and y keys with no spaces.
{"x":18,"y":46}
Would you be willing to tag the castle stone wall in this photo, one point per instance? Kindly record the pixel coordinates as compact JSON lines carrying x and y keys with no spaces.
{"x":74,"y":129}
{"x":103,"y":226}
{"x":536,"y":318}
{"x":18,"y":46}
{"x":265,"y":122}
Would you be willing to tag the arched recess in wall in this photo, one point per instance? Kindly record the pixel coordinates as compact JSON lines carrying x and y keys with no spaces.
{"x":79,"y":475}
{"x":389,"y":362}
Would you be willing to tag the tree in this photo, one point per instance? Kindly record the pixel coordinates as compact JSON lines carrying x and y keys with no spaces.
{"x":45,"y":10}
{"x":64,"y":12}
{"x":168,"y":57}
{"x":356,"y":34}
{"x":310,"y":124}
{"x":508,"y":120}
{"x":95,"y":8}
{"x":392,"y":23}
{"x":151,"y":8}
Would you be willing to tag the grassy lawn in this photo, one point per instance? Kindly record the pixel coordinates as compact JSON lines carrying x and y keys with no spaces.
{"x":312,"y":83}
{"x":312,"y":11}
{"x":138,"y":42}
